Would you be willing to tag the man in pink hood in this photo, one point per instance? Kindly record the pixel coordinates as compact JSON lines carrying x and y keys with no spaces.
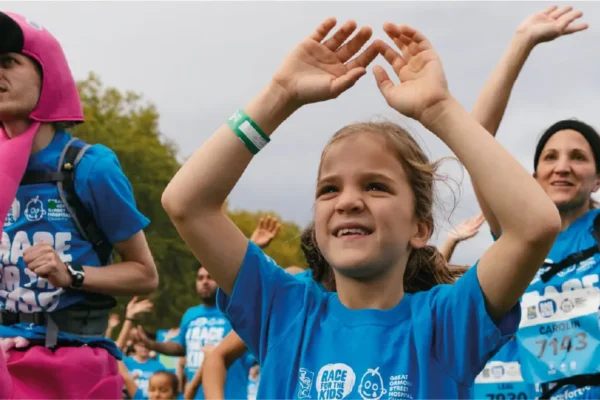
{"x":64,"y":207}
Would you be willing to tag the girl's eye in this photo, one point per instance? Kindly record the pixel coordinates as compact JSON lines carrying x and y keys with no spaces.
{"x":377,"y":187}
{"x":326,"y":190}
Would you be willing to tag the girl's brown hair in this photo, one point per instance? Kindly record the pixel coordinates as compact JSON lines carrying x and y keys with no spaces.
{"x":426,"y":266}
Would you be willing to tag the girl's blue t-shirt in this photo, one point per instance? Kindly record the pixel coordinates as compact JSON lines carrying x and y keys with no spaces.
{"x":431,"y":345}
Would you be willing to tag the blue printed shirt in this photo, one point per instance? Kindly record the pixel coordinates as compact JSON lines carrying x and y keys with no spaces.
{"x":203,"y":326}
{"x":431,"y":345}
{"x":38,"y":215}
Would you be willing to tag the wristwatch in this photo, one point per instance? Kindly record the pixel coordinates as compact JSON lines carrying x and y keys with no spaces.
{"x":77,"y":274}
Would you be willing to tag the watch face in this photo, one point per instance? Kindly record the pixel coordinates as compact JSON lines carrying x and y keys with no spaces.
{"x":77,"y":276}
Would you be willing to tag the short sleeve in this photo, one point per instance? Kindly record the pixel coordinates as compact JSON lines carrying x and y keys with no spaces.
{"x":108,"y":194}
{"x":264,"y":303}
{"x":465,"y":336}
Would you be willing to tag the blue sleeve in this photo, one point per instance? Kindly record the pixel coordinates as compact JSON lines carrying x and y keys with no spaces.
{"x":264,"y":302}
{"x":108,"y":194}
{"x":465,"y":337}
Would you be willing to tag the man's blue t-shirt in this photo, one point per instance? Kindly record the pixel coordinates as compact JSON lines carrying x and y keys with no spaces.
{"x":427,"y":346}
{"x":203,"y":326}
{"x":170,"y":362}
{"x":38,"y":215}
{"x":559,"y":334}
{"x":143,"y":371}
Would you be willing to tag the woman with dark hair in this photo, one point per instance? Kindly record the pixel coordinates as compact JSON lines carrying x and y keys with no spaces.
{"x":558,"y":341}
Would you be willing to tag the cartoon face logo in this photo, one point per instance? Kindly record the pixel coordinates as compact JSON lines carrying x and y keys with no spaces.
{"x":34,"y":210}
{"x":371,"y":385}
{"x":567,"y":305}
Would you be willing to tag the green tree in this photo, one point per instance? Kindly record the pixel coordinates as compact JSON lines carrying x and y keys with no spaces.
{"x":128,"y":125}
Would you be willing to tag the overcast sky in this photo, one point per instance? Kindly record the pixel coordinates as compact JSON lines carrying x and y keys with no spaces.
{"x":200,"y":61}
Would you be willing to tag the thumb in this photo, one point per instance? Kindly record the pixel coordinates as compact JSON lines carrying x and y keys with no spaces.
{"x":384,"y":83}
{"x":21,"y":342}
{"x":346,"y":81}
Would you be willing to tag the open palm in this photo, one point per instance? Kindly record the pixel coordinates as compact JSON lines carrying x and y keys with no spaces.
{"x":422,"y":80}
{"x":467,"y":229}
{"x":552,"y":23}
{"x":134,"y":307}
{"x":268,"y":227}
{"x":319,"y":69}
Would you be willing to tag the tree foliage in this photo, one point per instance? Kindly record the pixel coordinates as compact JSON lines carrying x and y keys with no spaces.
{"x":129,"y":125}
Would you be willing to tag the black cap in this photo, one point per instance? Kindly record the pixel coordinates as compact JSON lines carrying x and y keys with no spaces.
{"x":11,"y":35}
{"x":589,"y":133}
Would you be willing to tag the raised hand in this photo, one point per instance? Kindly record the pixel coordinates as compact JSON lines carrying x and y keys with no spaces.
{"x":134,"y":307}
{"x":552,"y":23}
{"x":319,"y":69}
{"x":113,"y":320}
{"x":265,"y":231}
{"x":467,"y":229}
{"x":422,"y":81}
{"x":141,"y":336}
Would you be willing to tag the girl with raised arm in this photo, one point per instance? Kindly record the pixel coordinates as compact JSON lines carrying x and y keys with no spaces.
{"x":375,"y":337}
{"x":558,"y":344}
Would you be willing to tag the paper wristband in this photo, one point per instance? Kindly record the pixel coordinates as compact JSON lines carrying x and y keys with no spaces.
{"x":248,"y":132}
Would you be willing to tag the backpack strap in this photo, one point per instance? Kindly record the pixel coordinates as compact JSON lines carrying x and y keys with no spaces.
{"x":72,"y":153}
{"x":574,"y":258}
{"x":83,"y":219}
{"x":64,"y":177}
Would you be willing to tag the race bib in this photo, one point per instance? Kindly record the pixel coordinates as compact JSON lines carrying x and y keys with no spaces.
{"x":559,"y":336}
{"x":502,"y":381}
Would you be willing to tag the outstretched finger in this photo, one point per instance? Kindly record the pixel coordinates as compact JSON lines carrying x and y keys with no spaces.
{"x":384,"y":83}
{"x":566,"y":20}
{"x":323,"y":30}
{"x":413,"y":34}
{"x":348,"y":50}
{"x":366,"y":57}
{"x":271,"y":224}
{"x":262,"y":223}
{"x":346,"y":81}
{"x":479,"y":221}
{"x":560,"y":12}
{"x":575,"y":28}
{"x":409,"y":40}
{"x":550,"y":10}
{"x":340,"y":36}
{"x":392,"y":57}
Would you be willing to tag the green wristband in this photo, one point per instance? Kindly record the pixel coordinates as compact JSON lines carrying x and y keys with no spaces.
{"x":248,"y":132}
